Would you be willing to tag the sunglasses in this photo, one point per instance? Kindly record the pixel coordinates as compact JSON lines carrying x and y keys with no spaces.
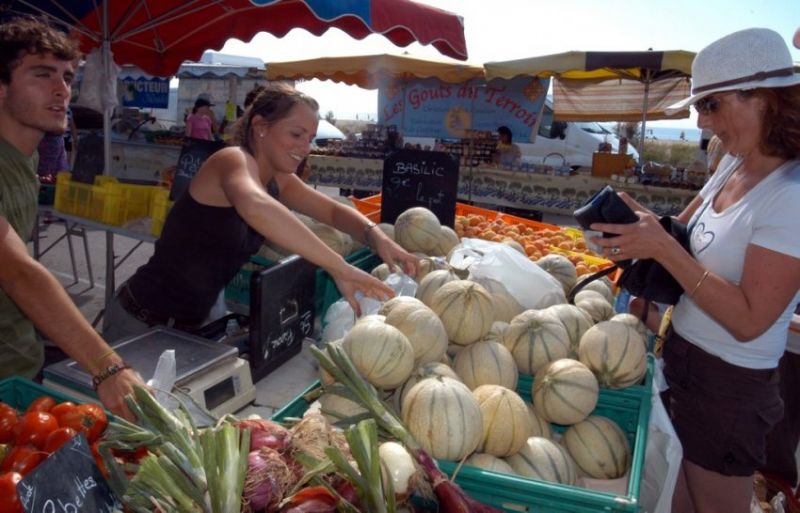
{"x":707,"y":105}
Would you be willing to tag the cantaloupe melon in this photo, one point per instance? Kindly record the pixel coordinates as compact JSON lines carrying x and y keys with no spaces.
{"x":565,"y":392}
{"x":447,"y":241}
{"x":505,"y":306}
{"x":443,"y":417}
{"x":380,"y":352}
{"x":632,"y":321}
{"x":387,"y":307}
{"x":575,"y":320}
{"x":615,"y":353}
{"x":486,"y":363}
{"x":420,"y":372}
{"x":561,"y":269}
{"x":488,"y":462}
{"x":594,"y":304}
{"x":465,"y":309}
{"x":540,"y":426}
{"x":599,"y":447}
{"x":424,"y":330}
{"x":381,"y":271}
{"x":543,"y":459}
{"x":417,"y":229}
{"x":506,"y":421}
{"x":601,"y":288}
{"x":432,"y":282}
{"x":535,"y":339}
{"x":338,"y":407}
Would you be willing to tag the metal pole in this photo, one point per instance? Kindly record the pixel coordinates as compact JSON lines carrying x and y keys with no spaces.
{"x":644,"y":116}
{"x":106,"y":58}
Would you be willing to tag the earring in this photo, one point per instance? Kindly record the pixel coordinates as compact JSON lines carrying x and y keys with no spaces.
{"x":261,"y":134}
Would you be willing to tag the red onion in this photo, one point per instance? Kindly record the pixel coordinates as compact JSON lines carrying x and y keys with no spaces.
{"x":267,"y":480}
{"x":266,"y":433}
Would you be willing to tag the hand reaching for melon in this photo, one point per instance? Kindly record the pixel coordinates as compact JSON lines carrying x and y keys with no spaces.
{"x":350,"y":280}
{"x":392,"y":254}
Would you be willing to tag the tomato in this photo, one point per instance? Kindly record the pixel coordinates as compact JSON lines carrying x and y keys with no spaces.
{"x":33,"y":428}
{"x":9,"y":500}
{"x":8,"y":419}
{"x":86,"y":418}
{"x":22,"y":459}
{"x":44,"y":403}
{"x":57,"y":438}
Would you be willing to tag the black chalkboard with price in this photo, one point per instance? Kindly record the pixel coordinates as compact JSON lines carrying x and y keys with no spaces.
{"x":193,"y":153}
{"x":68,"y":480}
{"x":414,"y":178}
{"x":90,"y":160}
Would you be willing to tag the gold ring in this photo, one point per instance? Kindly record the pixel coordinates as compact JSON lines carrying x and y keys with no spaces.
{"x":615,"y":250}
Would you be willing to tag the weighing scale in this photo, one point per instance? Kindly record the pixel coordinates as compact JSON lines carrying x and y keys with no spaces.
{"x":211,"y":374}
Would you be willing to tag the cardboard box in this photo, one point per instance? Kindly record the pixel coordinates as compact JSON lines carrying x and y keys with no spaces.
{"x":606,"y":164}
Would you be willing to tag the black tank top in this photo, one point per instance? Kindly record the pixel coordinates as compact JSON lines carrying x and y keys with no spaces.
{"x":200,"y":250}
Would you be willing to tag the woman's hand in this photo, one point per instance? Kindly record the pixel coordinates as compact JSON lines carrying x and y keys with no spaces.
{"x":392,"y":254}
{"x":350,"y":280}
{"x":645,"y":238}
{"x":112,"y":392}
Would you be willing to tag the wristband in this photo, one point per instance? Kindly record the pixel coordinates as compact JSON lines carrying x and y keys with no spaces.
{"x":103,"y":356}
{"x":107,"y":373}
{"x":699,"y":282}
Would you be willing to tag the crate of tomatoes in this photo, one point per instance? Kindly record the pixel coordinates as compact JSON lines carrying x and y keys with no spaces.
{"x":34,"y":422}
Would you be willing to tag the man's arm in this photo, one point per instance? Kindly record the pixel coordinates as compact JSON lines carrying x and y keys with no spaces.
{"x":42,"y":298}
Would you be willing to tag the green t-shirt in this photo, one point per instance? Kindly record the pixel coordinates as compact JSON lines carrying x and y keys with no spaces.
{"x":20,"y":353}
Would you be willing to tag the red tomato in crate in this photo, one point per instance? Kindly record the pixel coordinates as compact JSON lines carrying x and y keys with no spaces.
{"x":44,"y":403}
{"x":22,"y":459}
{"x":33,"y":428}
{"x":57,"y":438}
{"x":9,"y":500}
{"x":8,"y":419}
{"x":86,"y":418}
{"x":61,"y":409}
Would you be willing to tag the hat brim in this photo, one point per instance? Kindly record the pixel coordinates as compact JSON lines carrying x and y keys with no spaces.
{"x":772,"y":82}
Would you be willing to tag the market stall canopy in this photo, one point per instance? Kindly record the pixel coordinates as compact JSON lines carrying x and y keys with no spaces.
{"x":369,"y":71}
{"x":158,"y":35}
{"x":608,"y":86}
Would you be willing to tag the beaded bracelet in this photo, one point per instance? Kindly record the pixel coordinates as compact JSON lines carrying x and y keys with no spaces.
{"x":108,"y":372}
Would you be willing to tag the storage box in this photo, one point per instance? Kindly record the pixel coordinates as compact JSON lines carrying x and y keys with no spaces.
{"x":629,"y":408}
{"x":47,"y":194}
{"x":606,"y":164}
{"x":20,"y":392}
{"x":106,"y":201}
{"x":160,"y":206}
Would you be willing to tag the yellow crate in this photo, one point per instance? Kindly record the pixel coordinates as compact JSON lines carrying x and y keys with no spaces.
{"x":159,"y":208}
{"x":107,"y":201}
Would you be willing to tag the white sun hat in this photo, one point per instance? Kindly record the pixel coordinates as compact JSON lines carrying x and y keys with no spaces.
{"x":747,"y":59}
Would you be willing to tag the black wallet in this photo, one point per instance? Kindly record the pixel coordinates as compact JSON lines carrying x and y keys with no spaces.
{"x":605,"y":207}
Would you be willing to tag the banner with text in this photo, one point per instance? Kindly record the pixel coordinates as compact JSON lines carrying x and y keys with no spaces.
{"x":432,"y":108}
{"x":144,"y":92}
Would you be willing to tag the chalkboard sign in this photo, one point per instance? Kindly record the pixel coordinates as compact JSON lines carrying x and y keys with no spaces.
{"x":89,"y":161}
{"x":69,"y":481}
{"x":193,"y":153}
{"x":414,"y":178}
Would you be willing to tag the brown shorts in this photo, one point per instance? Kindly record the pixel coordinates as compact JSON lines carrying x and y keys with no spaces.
{"x":721,"y":412}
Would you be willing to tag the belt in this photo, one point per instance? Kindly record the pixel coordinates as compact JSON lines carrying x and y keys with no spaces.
{"x":149,"y":317}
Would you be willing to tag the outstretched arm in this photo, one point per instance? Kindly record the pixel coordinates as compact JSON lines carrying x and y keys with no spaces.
{"x":42,"y":298}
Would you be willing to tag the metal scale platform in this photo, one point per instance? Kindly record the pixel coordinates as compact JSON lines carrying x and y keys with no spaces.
{"x":210,"y":373}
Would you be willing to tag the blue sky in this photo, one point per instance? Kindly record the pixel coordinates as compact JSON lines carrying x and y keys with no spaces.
{"x":511,"y":29}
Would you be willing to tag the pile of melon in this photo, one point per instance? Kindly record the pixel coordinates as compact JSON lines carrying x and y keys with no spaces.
{"x":449,"y":361}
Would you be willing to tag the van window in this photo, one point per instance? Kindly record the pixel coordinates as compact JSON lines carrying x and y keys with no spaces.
{"x":593,"y":128}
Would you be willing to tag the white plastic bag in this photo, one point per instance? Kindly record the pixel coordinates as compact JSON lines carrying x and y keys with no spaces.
{"x":98,"y":91}
{"x":662,"y":457}
{"x":340,"y":316}
{"x":163,"y":383}
{"x":529,"y":284}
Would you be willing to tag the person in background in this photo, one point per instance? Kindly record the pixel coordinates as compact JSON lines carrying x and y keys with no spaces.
{"x":37,"y":66}
{"x":201,"y":124}
{"x":507,"y":154}
{"x":742,"y":275}
{"x":240,"y":196}
{"x":714,"y":154}
{"x":52,"y":157}
{"x":71,"y":139}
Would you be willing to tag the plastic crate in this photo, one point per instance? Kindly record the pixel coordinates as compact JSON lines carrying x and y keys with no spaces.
{"x":629,"y":408}
{"x":20,"y":392}
{"x":325,"y":291}
{"x":106,"y":201}
{"x":160,"y":206}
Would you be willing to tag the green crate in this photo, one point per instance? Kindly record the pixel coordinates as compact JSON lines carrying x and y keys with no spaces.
{"x":629,"y":408}
{"x":325,"y":291}
{"x":20,"y":392}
